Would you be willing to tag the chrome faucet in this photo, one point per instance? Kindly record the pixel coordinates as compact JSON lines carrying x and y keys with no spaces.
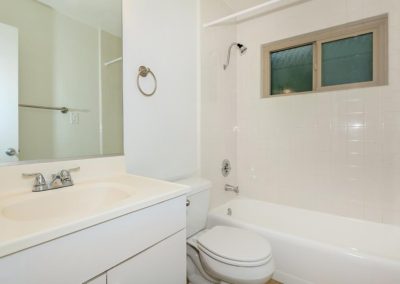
{"x":229,"y":187}
{"x":59,"y":180}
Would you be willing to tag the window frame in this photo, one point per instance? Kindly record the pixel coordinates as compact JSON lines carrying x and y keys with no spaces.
{"x":378,"y":26}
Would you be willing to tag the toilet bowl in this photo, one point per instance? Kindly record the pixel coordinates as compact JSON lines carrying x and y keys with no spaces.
{"x":231,"y":255}
{"x":222,"y":254}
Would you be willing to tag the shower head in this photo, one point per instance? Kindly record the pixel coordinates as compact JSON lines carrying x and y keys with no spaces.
{"x":242,"y":49}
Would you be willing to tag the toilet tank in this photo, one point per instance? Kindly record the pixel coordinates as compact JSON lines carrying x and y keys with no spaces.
{"x":198,"y":203}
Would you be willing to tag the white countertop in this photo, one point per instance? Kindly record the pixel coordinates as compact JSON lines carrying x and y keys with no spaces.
{"x":17,"y":234}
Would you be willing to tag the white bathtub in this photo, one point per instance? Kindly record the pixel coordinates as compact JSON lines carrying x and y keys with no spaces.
{"x":312,"y":247}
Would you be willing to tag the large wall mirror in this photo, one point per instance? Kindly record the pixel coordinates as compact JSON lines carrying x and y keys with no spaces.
{"x":60,"y":79}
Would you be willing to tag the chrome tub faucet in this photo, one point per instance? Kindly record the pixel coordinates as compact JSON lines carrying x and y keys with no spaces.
{"x":232,"y":188}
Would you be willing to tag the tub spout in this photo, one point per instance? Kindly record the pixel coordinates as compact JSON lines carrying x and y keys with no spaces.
{"x":229,"y":187}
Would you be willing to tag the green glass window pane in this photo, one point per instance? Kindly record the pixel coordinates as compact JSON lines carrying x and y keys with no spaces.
{"x":292,"y":70}
{"x":347,"y":60}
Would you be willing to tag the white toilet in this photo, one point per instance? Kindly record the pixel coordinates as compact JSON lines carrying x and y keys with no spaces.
{"x":222,"y":254}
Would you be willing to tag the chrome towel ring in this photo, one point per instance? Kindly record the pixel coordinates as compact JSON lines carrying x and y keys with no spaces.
{"x":143,"y":72}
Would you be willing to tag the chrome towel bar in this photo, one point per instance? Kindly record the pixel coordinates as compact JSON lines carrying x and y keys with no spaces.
{"x":62,"y":109}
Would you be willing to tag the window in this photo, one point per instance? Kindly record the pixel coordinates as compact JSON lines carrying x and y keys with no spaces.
{"x":348,"y":56}
{"x":347,"y":61}
{"x":292,"y":70}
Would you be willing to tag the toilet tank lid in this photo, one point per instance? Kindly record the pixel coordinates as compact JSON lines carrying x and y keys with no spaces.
{"x":196,"y":184}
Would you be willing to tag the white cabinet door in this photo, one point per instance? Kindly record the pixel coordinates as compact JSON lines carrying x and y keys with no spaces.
{"x":102,"y":279}
{"x":163,"y":263}
{"x":8,"y":91}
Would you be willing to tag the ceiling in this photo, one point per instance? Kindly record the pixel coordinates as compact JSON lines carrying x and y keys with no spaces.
{"x":238,"y":5}
{"x":104,"y":14}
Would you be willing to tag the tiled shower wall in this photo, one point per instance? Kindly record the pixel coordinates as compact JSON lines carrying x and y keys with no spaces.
{"x":336,"y":152}
{"x":218,"y":101}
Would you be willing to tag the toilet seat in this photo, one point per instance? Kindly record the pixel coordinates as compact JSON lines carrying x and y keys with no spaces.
{"x":233,"y":262}
{"x":235,"y":246}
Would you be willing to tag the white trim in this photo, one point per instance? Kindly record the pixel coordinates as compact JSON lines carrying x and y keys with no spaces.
{"x":199,"y":88}
{"x":100,"y":92}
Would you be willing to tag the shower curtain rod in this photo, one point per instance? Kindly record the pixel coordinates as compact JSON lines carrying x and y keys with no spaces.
{"x":113,"y":61}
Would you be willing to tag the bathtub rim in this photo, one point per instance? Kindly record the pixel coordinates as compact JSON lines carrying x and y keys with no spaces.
{"x":215,"y":213}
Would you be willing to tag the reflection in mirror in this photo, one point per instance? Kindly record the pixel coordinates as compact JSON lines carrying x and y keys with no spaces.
{"x":60,"y":79}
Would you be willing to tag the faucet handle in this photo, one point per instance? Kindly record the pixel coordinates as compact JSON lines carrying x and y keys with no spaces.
{"x":39,"y":178}
{"x":65,"y":175}
{"x":40,"y":182}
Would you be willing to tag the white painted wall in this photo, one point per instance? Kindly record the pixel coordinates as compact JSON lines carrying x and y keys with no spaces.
{"x":75,"y":84}
{"x":336,"y":152}
{"x":160,"y":131}
{"x":103,"y":14}
{"x":218,"y":100}
{"x":111,"y":94}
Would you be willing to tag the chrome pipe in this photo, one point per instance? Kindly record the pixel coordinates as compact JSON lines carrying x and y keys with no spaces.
{"x":232,"y":188}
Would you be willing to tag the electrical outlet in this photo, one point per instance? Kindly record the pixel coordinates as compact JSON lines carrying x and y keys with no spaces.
{"x":74,"y":118}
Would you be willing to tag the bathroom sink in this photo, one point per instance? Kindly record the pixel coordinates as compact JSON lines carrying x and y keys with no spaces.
{"x":30,"y":218}
{"x":65,"y":203}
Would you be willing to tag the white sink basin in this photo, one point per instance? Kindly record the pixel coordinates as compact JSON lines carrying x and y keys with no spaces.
{"x":66,"y":202}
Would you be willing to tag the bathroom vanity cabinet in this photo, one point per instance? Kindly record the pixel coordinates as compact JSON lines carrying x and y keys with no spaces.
{"x":140,"y":247}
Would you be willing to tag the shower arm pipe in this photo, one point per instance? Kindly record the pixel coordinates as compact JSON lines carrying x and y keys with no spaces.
{"x":228,"y":59}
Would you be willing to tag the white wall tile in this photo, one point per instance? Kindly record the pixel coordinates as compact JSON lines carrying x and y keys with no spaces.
{"x":336,"y":152}
{"x":218,"y":101}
